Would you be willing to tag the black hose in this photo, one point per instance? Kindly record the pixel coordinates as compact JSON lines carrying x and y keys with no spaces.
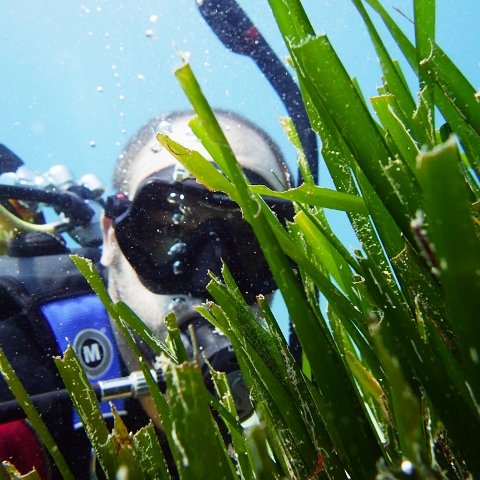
{"x":74,"y":207}
{"x":237,"y":32}
{"x":43,"y":402}
{"x":133,"y":385}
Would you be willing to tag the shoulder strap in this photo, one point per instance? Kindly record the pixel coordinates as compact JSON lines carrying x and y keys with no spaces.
{"x":47,"y":277}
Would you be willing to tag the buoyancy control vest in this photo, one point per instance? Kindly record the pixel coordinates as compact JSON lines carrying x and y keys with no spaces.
{"x":61,"y":309}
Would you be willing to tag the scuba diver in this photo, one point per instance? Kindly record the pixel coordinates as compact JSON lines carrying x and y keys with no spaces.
{"x":162,"y":232}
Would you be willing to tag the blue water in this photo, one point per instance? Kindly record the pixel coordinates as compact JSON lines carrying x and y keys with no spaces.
{"x":78,"y":78}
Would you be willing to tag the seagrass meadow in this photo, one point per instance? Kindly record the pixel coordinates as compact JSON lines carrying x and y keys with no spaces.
{"x":388,"y":384}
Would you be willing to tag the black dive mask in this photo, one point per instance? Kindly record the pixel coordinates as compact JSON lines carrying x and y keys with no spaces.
{"x":174,"y":232}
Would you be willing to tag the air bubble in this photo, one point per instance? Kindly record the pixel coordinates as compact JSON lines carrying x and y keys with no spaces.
{"x":121,"y":97}
{"x":185,"y":209}
{"x":178,"y":267}
{"x":178,"y":218}
{"x":140,"y":76}
{"x":177,"y":249}
{"x":153,"y":18}
{"x":407,"y":467}
{"x":99,"y":89}
{"x":149,"y":33}
{"x":92,"y":143}
{"x":172,"y":197}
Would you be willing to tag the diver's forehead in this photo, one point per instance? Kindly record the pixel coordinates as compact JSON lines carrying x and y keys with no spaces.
{"x":145,"y":165}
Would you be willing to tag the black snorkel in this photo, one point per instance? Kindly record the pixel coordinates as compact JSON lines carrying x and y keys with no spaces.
{"x":238,"y":33}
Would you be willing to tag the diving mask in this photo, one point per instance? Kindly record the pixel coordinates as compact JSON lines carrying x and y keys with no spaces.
{"x":174,"y":232}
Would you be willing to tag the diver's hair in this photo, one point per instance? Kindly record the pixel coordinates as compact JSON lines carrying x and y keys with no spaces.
{"x":129,"y":155}
{"x":125,"y":161}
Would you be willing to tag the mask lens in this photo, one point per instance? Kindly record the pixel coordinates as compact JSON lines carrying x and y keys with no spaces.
{"x":167,"y":224}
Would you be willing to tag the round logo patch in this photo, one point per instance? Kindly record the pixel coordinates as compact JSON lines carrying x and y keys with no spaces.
{"x":94,"y":351}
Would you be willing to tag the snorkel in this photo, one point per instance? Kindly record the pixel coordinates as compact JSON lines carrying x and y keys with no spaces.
{"x":237,"y":32}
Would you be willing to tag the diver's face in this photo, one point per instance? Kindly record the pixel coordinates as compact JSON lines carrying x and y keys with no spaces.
{"x":124,"y":284}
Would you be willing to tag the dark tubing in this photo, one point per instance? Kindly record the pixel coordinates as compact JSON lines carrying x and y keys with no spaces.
{"x":123,"y":387}
{"x":74,"y":207}
{"x":44,"y":402}
{"x":237,"y":32}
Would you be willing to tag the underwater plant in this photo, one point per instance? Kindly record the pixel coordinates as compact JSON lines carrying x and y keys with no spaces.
{"x":387,"y":382}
